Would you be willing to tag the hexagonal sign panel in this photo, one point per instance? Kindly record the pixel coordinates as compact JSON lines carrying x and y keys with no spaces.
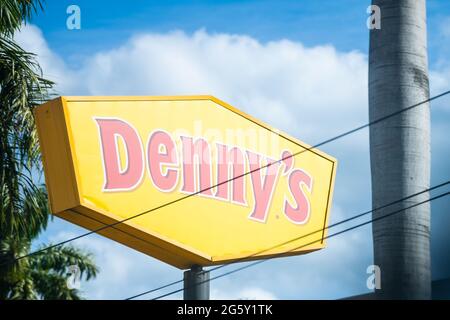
{"x":187,"y":180}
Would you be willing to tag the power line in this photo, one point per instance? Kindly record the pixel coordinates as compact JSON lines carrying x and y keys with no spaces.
{"x":359,"y":215}
{"x":226,"y":181}
{"x":327,"y":237}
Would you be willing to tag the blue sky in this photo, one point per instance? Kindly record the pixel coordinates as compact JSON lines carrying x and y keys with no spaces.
{"x":132,"y":49}
{"x":264,"y":20}
{"x":341,"y":23}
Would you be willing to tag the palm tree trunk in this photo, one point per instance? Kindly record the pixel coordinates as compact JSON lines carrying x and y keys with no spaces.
{"x":400,"y":148}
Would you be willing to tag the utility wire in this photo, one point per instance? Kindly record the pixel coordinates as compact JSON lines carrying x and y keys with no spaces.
{"x":327,"y":237}
{"x":359,"y":215}
{"x":224,"y":182}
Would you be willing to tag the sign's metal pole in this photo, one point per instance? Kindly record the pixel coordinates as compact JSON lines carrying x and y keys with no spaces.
{"x":196,"y":284}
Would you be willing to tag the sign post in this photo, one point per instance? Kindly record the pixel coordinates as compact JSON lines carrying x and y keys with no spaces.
{"x":196,"y":284}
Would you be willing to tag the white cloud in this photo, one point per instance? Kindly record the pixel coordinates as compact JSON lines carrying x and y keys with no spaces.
{"x":31,"y":39}
{"x":281,"y":76}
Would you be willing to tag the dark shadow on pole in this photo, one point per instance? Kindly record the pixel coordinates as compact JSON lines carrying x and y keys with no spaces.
{"x":196,"y":284}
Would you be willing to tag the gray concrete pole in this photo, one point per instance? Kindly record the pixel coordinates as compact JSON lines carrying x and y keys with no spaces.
{"x":400,"y":148}
{"x":196,"y":284}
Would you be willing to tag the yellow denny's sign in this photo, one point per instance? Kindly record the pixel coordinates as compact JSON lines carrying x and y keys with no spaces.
{"x":107,"y":159}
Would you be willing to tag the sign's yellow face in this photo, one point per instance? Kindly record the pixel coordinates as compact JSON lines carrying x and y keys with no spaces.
{"x":189,"y":169}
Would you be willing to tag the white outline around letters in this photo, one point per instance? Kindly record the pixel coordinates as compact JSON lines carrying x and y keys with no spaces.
{"x":103,"y":158}
{"x":286,"y":200}
{"x":230,"y":191}
{"x":173,"y":166}
{"x":266,"y":213}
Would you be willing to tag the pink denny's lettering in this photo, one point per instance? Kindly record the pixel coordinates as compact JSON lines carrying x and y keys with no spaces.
{"x":190,"y":168}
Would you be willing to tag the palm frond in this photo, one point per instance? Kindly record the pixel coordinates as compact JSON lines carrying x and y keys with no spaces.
{"x":52,"y":286}
{"x":58,"y":259}
{"x":21,"y":89}
{"x":14,"y":12}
